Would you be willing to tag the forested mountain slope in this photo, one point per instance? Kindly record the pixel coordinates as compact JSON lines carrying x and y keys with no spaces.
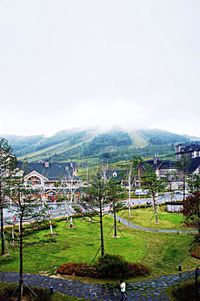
{"x":96,"y":145}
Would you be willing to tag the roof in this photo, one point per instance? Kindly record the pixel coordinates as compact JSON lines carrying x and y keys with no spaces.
{"x":53,"y":172}
{"x":161,"y":164}
{"x":195,"y":163}
{"x":189,"y":148}
{"x":176,"y":203}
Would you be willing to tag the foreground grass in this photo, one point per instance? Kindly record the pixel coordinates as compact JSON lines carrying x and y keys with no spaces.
{"x":162,"y":253}
{"x":145,"y":218}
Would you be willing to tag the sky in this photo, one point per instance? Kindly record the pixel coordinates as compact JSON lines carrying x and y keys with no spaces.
{"x":75,"y":63}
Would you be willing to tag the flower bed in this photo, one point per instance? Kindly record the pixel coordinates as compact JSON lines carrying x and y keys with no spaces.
{"x":108,"y":266}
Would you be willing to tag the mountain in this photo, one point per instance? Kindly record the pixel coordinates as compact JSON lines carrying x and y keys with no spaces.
{"x":94,"y":145}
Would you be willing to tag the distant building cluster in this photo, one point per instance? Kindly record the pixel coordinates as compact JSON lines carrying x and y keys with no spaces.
{"x":52,"y":177}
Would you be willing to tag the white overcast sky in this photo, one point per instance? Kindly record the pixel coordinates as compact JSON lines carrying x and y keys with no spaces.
{"x":75,"y":63}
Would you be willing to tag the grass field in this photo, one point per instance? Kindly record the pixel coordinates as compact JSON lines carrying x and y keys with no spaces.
{"x":145,"y":218}
{"x":162,"y":253}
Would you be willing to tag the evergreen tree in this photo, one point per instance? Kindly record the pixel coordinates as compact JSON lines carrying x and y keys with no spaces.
{"x":27,"y":202}
{"x":7,"y":164}
{"x":95,"y":201}
{"x":115,"y":194}
{"x":182,"y":165}
{"x":154,"y":185}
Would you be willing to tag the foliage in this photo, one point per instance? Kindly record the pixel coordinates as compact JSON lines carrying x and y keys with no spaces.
{"x":31,"y":227}
{"x":7,"y":164}
{"x":43,"y":294}
{"x":184,"y":291}
{"x":191,"y":211}
{"x":94,"y":199}
{"x":115,"y":194}
{"x":193,"y":183}
{"x":156,"y":136}
{"x":154,"y":185}
{"x":108,"y":266}
{"x":25,"y":200}
{"x":182,"y":165}
{"x":78,"y":269}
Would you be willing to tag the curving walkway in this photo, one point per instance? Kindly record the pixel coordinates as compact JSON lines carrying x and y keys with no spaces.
{"x":148,"y":290}
{"x":134,"y":226}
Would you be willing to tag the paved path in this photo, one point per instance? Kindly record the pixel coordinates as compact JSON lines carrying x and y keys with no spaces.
{"x":148,"y":290}
{"x":134,"y":226}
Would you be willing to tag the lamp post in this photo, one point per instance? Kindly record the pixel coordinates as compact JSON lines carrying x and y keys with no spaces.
{"x":180,"y":270}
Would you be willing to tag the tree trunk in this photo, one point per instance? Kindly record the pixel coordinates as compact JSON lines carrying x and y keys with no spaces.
{"x":115,"y":221}
{"x":129,"y":194}
{"x":101,"y":231}
{"x":170,"y":190}
{"x":20,"y":259}
{"x":155,"y":208}
{"x":139,"y":175}
{"x":184,"y":186}
{"x":2,"y":225}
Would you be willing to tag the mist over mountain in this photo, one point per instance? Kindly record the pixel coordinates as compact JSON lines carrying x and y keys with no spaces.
{"x":94,"y":144}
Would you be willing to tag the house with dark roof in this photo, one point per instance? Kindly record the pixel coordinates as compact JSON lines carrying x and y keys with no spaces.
{"x":164,"y":169}
{"x":49,"y":176}
{"x":161,"y":167}
{"x":190,"y":150}
{"x":194,"y":166}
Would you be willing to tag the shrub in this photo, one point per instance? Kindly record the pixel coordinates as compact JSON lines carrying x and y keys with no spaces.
{"x":78,"y":269}
{"x":32,"y":227}
{"x":185,"y":292}
{"x":108,"y":266}
{"x":135,"y":269}
{"x":112,"y":266}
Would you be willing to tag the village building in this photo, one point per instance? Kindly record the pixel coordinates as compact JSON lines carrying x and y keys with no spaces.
{"x":50,"y":177}
{"x":191,"y":151}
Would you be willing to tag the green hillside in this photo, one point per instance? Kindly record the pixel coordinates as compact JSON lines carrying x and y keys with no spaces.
{"x":92,"y":146}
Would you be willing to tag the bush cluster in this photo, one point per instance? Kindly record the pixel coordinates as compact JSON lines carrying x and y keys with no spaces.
{"x":108,"y":266}
{"x":111,"y":265}
{"x":78,"y":269}
{"x":185,"y":291}
{"x":43,"y":294}
{"x":31,"y":227}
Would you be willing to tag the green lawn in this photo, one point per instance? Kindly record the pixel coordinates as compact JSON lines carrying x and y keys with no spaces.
{"x":161,"y":252}
{"x":145,"y":218}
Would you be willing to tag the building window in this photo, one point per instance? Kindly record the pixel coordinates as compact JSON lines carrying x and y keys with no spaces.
{"x":34,"y":180}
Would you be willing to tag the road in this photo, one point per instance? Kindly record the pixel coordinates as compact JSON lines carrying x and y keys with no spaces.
{"x":160,"y":199}
{"x":64,"y":209}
